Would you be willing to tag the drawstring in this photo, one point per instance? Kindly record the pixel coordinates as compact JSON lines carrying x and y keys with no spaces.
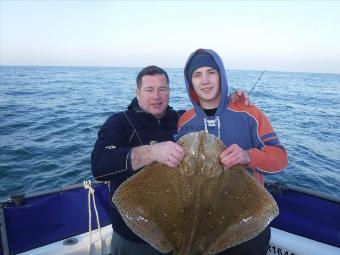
{"x":212,"y":123}
{"x":205,"y":125}
{"x":87,"y":185}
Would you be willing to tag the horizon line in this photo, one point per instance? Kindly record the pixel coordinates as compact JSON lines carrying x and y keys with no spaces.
{"x":141,"y":67}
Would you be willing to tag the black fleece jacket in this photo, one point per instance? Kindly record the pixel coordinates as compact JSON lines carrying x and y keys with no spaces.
{"x":110,"y":158}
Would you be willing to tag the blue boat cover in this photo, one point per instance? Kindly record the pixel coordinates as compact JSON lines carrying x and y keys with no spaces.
{"x":49,"y":218}
{"x":53,"y":217}
{"x":308,"y":216}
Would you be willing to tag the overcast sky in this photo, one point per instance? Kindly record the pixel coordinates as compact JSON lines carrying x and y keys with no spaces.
{"x":252,"y":35}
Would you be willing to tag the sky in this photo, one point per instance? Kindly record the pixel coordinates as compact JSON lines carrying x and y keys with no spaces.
{"x":298,"y":36}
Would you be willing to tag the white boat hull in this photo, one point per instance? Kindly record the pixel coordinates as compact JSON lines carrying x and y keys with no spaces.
{"x":281,"y":243}
{"x":284,"y":243}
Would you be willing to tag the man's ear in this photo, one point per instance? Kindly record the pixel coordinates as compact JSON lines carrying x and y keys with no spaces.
{"x":137,"y":93}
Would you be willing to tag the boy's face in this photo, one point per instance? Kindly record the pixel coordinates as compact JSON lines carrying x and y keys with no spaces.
{"x":206,"y":83}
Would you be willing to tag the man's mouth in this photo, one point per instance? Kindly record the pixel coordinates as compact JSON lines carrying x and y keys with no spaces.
{"x":156,"y":104}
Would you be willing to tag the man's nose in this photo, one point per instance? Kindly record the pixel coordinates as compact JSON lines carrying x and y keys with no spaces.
{"x":156,"y":94}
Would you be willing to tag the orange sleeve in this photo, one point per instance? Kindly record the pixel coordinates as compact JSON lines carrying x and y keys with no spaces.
{"x":188,"y":115}
{"x":272,"y":157}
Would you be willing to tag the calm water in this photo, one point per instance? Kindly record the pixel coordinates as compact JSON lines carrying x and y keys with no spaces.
{"x":50,"y":117}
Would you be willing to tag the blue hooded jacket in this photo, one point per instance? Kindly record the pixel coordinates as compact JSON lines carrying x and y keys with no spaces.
{"x":235,"y":123}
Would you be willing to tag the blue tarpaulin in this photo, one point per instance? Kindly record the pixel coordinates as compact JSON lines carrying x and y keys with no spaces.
{"x":309,"y":216}
{"x":53,"y":217}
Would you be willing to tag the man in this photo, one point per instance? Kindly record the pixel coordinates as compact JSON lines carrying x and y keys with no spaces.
{"x":132,"y":139}
{"x":249,"y":138}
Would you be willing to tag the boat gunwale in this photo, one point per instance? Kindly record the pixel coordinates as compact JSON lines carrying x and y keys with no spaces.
{"x":271,"y":186}
{"x":276,"y":187}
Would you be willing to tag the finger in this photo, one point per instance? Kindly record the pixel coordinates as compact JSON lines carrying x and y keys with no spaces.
{"x":224,"y":153}
{"x":177,"y":155}
{"x":238,"y":156}
{"x":233,"y":158}
{"x":226,"y":160}
{"x":228,"y":150}
{"x":230,"y":162}
{"x":173,"y":161}
{"x":232,"y":97}
{"x":246,"y":99}
{"x":171,"y":164}
{"x":233,"y":147}
{"x":179,"y":149}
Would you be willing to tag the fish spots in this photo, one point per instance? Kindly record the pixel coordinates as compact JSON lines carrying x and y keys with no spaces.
{"x":186,"y":210}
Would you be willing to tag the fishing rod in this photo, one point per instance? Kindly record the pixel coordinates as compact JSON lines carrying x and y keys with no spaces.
{"x":256,"y":83}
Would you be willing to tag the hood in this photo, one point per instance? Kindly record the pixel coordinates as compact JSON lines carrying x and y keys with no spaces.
{"x":223,"y":83}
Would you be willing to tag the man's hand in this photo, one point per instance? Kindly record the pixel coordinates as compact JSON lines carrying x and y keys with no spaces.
{"x":234,"y":155}
{"x":240,"y":96}
{"x":168,"y":153}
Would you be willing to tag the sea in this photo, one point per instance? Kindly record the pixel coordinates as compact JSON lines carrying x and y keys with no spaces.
{"x":50,"y":117}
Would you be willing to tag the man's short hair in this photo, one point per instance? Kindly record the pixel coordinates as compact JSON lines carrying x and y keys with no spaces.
{"x":150,"y":70}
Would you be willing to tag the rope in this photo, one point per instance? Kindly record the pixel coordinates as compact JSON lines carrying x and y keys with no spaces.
{"x":87,"y":185}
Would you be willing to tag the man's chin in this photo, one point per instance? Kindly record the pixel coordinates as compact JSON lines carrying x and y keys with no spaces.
{"x":158,"y":114}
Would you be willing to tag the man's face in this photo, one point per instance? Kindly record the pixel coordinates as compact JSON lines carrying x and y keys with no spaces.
{"x":153,"y":94}
{"x":206,"y":83}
